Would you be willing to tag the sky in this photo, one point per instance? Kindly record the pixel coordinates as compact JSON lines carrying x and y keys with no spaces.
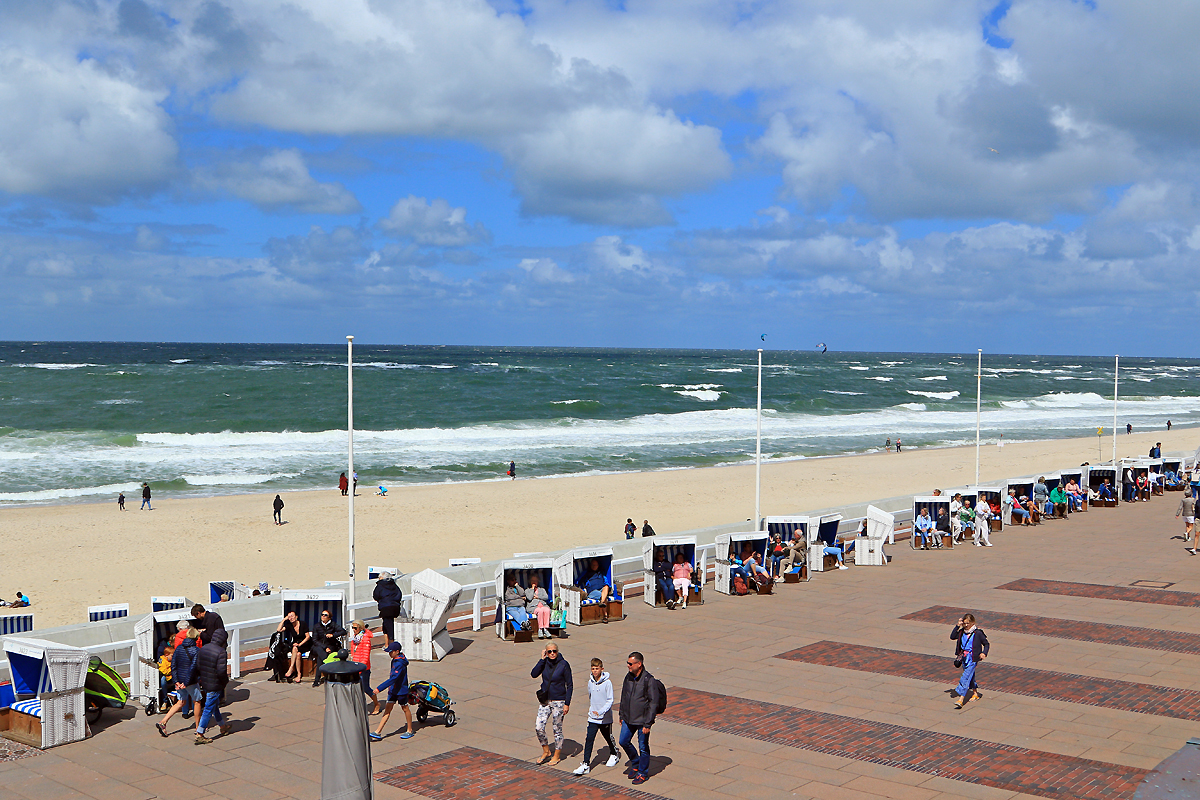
{"x":934,"y":175}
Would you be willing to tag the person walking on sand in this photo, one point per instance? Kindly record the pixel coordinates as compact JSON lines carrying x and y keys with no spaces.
{"x":278,"y":505}
{"x":1128,"y":427}
{"x":970,"y":647}
{"x":887,"y":446}
{"x":640,"y":700}
{"x":145,"y":497}
{"x":512,"y":470}
{"x":897,"y":444}
{"x":344,"y":484}
{"x":1168,"y":426}
{"x":397,"y":689}
{"x":599,"y":719}
{"x":121,"y":501}
{"x":646,"y":529}
{"x":1187,"y":510}
{"x":630,"y":528}
{"x":554,"y":701}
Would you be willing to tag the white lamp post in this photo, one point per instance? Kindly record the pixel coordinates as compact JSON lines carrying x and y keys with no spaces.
{"x":758,"y":450}
{"x":1116,"y":370}
{"x":350,"y":445}
{"x":978,"y":386}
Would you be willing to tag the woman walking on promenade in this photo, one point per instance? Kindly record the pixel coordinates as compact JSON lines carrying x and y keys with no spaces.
{"x":555,"y":701}
{"x":1187,"y":510}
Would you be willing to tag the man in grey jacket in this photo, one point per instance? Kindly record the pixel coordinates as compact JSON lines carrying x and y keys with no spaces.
{"x":639,"y":705}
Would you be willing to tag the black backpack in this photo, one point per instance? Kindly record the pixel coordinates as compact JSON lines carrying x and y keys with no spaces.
{"x":661,"y":706}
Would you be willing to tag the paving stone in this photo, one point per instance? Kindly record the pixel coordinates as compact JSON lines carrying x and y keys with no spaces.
{"x":1129,"y":594}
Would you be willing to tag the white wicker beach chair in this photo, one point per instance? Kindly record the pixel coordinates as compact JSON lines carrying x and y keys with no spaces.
{"x":48,"y":678}
{"x":424,"y":635}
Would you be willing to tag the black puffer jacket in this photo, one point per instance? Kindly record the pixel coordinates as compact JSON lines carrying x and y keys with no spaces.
{"x":389,"y":597}
{"x":183,"y":662}
{"x":213,"y":664}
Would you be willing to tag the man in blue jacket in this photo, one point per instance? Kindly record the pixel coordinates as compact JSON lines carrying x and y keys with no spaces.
{"x":595,"y":585}
{"x":397,"y":686}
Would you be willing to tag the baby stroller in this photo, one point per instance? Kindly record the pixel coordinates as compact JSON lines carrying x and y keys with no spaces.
{"x":103,"y":688}
{"x":426,"y":695}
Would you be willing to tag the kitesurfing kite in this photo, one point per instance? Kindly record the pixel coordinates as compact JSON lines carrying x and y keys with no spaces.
{"x":823,"y":347}
{"x":763,"y":337}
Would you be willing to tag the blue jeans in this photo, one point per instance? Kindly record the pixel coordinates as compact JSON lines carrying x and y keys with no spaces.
{"x":212,"y":712}
{"x":775,"y":562}
{"x":1020,"y":513}
{"x":641,"y":761}
{"x":966,"y":684}
{"x":668,"y":589}
{"x":517,"y":614}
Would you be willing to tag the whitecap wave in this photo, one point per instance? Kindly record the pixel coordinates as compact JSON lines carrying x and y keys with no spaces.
{"x":180,"y":360}
{"x":50,"y":495}
{"x":860,"y":369}
{"x":566,"y":402}
{"x":933,"y":378}
{"x":700,"y":394}
{"x":728,"y":369}
{"x":235,"y":480}
{"x":121,"y":401}
{"x":54,"y":366}
{"x":913,"y":406}
{"x":881,"y":380}
{"x":935,"y":395}
{"x":834,"y":391}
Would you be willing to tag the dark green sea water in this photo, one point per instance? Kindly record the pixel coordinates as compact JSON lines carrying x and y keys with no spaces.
{"x":85,"y":420}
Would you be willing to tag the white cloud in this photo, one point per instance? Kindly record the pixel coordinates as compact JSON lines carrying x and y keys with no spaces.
{"x":432,"y":223}
{"x":279,"y":180}
{"x":544,"y":270}
{"x":74,"y":130}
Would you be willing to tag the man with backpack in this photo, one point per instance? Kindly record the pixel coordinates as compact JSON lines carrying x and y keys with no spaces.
{"x":643,"y":697}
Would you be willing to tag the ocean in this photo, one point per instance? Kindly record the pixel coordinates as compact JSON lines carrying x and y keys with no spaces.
{"x":80,"y":422}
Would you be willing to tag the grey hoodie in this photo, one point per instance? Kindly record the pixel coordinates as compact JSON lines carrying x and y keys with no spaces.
{"x":600,"y":700}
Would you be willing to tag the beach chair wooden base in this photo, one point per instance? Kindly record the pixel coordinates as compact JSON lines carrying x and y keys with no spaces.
{"x":828,"y":563}
{"x":1178,"y":488}
{"x":23,"y":728}
{"x":308,"y":668}
{"x":765,"y":587}
{"x":795,"y":577}
{"x":996,"y":525}
{"x":947,"y":540}
{"x":590,"y":615}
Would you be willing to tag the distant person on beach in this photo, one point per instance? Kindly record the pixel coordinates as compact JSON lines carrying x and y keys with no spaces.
{"x":887,"y":446}
{"x":382,"y":492}
{"x":630,"y":528}
{"x":389,"y":599}
{"x":1168,"y":426}
{"x":1156,"y":451}
{"x":145,"y":497}
{"x":278,"y":506}
{"x":344,"y":484}
{"x":121,"y":501}
{"x":897,"y":444}
{"x":1129,"y":427}
{"x":356,"y":484}
{"x":646,"y":529}
{"x":512,"y":470}
{"x":21,"y":602}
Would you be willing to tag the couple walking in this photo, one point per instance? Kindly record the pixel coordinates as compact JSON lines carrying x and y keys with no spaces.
{"x":642,"y":699}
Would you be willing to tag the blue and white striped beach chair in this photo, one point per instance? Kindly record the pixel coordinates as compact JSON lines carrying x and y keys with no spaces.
{"x":112,"y":611}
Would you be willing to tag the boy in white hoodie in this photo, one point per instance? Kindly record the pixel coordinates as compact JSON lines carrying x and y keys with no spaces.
{"x":600,"y":717}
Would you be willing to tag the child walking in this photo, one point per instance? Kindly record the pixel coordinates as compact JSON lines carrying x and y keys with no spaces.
{"x":397,"y":686}
{"x":600,"y":701}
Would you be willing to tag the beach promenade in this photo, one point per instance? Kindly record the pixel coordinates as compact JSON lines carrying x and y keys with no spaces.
{"x":834,"y":688}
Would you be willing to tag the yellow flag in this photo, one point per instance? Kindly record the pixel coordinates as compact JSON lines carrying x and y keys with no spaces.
{"x":1099,"y":431}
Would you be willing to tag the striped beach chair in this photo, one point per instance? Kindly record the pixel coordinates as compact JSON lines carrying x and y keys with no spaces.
{"x":671,"y":545}
{"x":16,"y":623}
{"x":522,"y":568}
{"x":570,"y":570}
{"x":111,"y":611}
{"x":169,"y":603}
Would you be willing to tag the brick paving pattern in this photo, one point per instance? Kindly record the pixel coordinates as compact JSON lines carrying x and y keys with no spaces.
{"x":1015,"y":769}
{"x":1076,"y":630}
{"x":1129,"y":594}
{"x":1139,"y":698}
{"x":471,"y":774}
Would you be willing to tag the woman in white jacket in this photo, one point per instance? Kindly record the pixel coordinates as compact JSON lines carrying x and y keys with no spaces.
{"x":600,"y":717}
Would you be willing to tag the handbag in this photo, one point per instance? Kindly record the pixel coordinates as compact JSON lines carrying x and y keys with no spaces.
{"x":543,"y":697}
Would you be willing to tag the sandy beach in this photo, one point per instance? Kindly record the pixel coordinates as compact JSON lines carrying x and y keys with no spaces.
{"x":89,"y":554}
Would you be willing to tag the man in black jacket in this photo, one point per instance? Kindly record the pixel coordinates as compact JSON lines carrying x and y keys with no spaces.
{"x":663,"y":575}
{"x":327,"y":638}
{"x":209,"y":622}
{"x":389,"y":599}
{"x":639,"y":706}
{"x":212,"y":664}
{"x":970,"y":647}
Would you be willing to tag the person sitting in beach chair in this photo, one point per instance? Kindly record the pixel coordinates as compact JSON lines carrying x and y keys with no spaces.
{"x":595,"y":583}
{"x":514,"y":604}
{"x":966,"y":519}
{"x":1017,"y":508}
{"x":942,"y":524}
{"x":839,"y":553}
{"x":1058,"y":501}
{"x":1171,"y":478}
{"x":777,"y":551}
{"x":1143,"y":486}
{"x":1074,"y":496}
{"x":1105,"y":491}
{"x":797,"y":553}
{"x":923,"y":527}
{"x":681,"y":579}
{"x":751,"y":567}
{"x":664,"y":574}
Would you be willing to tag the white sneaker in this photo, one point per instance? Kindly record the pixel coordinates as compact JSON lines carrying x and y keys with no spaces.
{"x":685,"y":603}
{"x":613,"y":760}
{"x":842,"y":566}
{"x":989,"y":544}
{"x":582,"y":769}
